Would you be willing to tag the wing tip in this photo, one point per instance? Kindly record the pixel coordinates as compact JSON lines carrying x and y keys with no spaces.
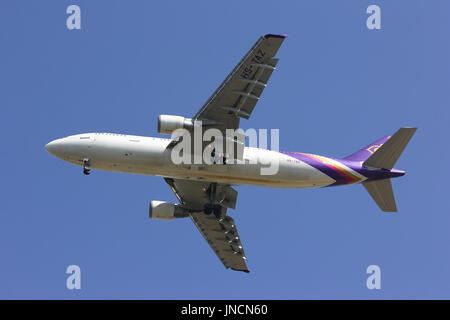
{"x":273,"y":35}
{"x":243,"y":270}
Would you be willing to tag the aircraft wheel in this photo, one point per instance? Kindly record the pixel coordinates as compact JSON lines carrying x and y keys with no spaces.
{"x":208,"y":208}
{"x":217,"y":210}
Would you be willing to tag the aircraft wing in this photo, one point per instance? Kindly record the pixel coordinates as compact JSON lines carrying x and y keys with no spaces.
{"x":238,"y":94}
{"x":218,"y":230}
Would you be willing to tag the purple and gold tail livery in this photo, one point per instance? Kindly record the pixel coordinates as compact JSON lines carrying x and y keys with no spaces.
{"x":373,"y":166}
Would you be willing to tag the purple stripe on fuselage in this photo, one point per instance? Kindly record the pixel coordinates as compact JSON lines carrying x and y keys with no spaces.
{"x":317,"y":165}
{"x":375,"y":174}
{"x":371,"y":174}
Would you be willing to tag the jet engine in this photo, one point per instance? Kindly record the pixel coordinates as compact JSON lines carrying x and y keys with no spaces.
{"x":167,"y":124}
{"x":166,"y":211}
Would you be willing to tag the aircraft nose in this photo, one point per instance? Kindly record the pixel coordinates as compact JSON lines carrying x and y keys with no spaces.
{"x":54,"y":147}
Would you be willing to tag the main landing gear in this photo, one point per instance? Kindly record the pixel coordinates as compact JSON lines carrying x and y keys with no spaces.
{"x":214,"y":159}
{"x":212,"y":206}
{"x":86,"y":166}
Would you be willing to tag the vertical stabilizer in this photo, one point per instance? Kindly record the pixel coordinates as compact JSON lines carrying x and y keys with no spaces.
{"x":367,"y":151}
{"x":387,"y":155}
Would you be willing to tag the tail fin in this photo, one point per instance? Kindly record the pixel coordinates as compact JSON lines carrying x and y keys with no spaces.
{"x":384,"y":157}
{"x":387,"y":154}
{"x":367,"y":151}
{"x":381,"y":192}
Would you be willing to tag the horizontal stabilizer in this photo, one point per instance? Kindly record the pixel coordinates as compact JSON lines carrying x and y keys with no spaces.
{"x":381,"y":192}
{"x":387,"y":155}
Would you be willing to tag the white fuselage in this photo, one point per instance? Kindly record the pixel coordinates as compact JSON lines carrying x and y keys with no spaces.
{"x":150,"y":156}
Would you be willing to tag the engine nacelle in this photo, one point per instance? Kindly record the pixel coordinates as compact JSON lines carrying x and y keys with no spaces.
{"x":166,"y":210}
{"x":167,"y":124}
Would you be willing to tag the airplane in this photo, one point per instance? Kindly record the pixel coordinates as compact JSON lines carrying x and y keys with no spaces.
{"x":205,"y":191}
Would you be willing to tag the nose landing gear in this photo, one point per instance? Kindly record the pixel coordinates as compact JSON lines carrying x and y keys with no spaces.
{"x":86,"y":166}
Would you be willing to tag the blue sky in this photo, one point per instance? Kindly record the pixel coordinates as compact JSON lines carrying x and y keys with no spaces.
{"x":338,"y":87}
